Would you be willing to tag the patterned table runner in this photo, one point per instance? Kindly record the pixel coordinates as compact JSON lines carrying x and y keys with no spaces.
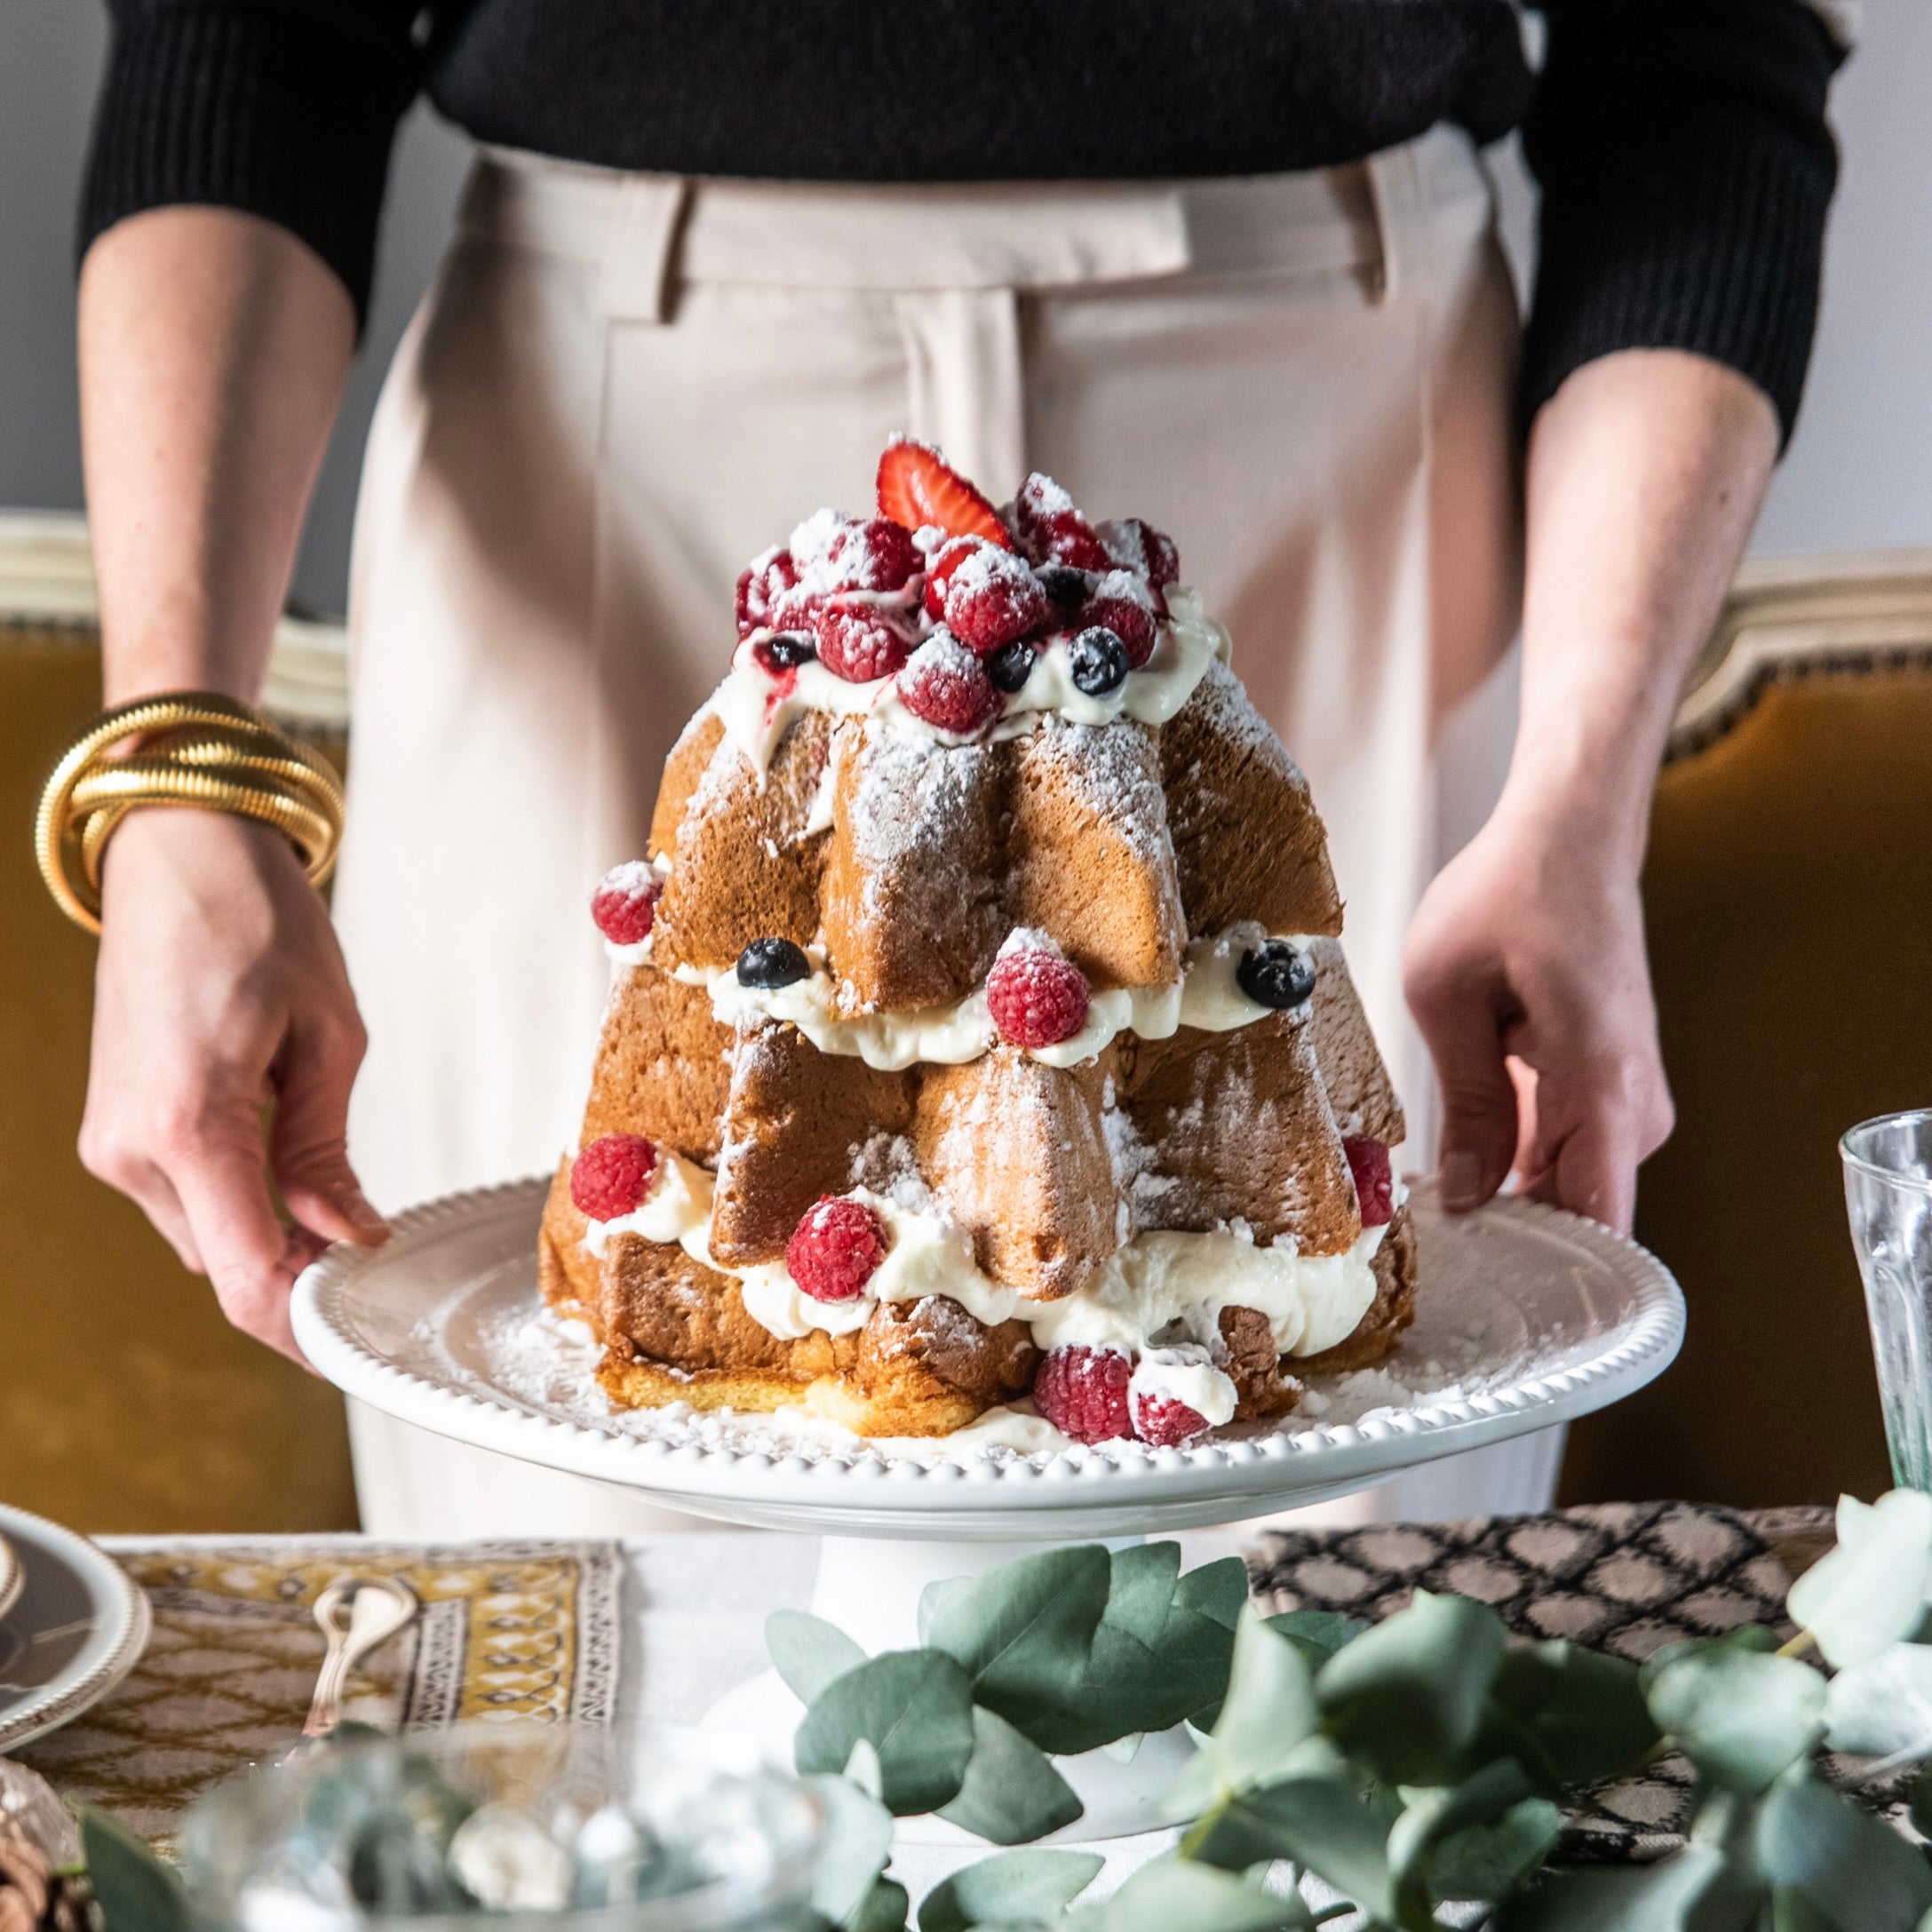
{"x":1625,"y":1578}
{"x":527,"y":1629}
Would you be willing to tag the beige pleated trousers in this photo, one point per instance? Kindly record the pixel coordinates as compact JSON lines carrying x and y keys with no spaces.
{"x":621,"y":387}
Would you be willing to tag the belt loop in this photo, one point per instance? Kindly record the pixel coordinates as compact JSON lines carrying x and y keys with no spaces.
{"x":638,"y":248}
{"x":1395,"y":190}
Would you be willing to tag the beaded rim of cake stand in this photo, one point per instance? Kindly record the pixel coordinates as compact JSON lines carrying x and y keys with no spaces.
{"x":1652,"y":1328}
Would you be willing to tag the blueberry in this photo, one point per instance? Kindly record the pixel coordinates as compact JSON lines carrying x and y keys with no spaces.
{"x":1064,"y":586}
{"x":1275,"y":973}
{"x":772,"y":963}
{"x":1010,"y":667}
{"x":784,"y":649}
{"x":1100,"y":661}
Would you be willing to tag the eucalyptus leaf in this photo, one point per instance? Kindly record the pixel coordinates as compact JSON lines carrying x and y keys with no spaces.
{"x":1870,"y":1592}
{"x":1791,"y":1911}
{"x":1882,"y":1708}
{"x":1434,"y":1814}
{"x":136,"y":1892}
{"x":1695,"y":1891}
{"x":1270,"y":1709}
{"x":1317,"y":1635}
{"x":1169,"y":1894}
{"x":1858,"y":1872}
{"x":808,"y":1652}
{"x":1218,"y":1590}
{"x":1012,"y":1793}
{"x":1406,"y":1697}
{"x":1740,"y":1716}
{"x":1579,"y":1713}
{"x":1021,"y":1633}
{"x":854,"y":1850}
{"x":1323,"y":1824}
{"x":883,"y":1909}
{"x":1010,"y":1888}
{"x":914,"y":1708}
{"x":1490,"y":1860}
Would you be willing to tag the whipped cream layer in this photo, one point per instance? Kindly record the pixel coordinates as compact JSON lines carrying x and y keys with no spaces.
{"x":1207,"y":995}
{"x":757,"y":708}
{"x":1160,"y":1293}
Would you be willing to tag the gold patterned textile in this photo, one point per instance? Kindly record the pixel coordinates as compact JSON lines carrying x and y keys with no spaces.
{"x":522,"y":1630}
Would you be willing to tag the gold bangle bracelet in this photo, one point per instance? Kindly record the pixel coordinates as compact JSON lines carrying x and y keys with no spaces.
{"x":197,"y":750}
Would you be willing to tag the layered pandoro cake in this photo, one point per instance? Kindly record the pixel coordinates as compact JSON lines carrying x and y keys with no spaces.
{"x":980,"y":1042}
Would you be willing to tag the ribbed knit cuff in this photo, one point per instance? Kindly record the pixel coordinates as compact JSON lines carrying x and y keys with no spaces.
{"x":269,"y":111}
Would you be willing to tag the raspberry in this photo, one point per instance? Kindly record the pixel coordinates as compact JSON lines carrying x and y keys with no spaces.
{"x":918,"y":487}
{"x":793,"y":612}
{"x":760,"y":585}
{"x":609,"y":1177}
{"x":880,"y":555}
{"x":858,"y":643}
{"x":836,"y":1248}
{"x":940,"y":566}
{"x":625,"y":902}
{"x":1138,"y":547}
{"x":1082,"y":1391}
{"x":1036,"y":998}
{"x":1375,"y":1185}
{"x":994,"y":600}
{"x":948,"y":686}
{"x":1166,"y":1423}
{"x":1114,"y":606}
{"x":1051,"y":530}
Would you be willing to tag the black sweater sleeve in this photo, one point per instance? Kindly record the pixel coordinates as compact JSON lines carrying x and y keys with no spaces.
{"x":282,"y":109}
{"x":1686,"y":168}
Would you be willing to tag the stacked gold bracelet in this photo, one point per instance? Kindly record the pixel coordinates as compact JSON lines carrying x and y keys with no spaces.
{"x":182,"y":748}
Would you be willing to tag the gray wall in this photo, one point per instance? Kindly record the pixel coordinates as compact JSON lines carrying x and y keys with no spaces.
{"x":1859,"y":472}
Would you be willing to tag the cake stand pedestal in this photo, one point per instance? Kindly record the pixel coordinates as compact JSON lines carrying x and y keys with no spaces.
{"x":1527,"y":1316}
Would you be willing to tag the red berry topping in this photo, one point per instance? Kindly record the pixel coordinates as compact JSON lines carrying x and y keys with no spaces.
{"x":1082,"y":1391}
{"x":1051,"y":530}
{"x":917,"y":488}
{"x":1136,"y":546}
{"x":993,"y":601}
{"x":836,"y":1248}
{"x":876,"y":556}
{"x":859,"y":642}
{"x":1166,"y":1423}
{"x":1125,"y":616}
{"x":611,"y":1176}
{"x":948,"y":686}
{"x":942,"y":564}
{"x":760,"y":585}
{"x":1036,"y":998}
{"x":1375,"y":1185}
{"x":625,"y":902}
{"x":793,"y":612}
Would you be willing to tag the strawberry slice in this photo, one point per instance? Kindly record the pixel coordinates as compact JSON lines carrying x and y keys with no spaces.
{"x":918,"y":487}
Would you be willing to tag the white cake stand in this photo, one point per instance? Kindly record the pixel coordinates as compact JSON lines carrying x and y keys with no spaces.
{"x":1526,"y":1317}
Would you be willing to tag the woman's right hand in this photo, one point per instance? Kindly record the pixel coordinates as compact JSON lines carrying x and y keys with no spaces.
{"x":220,"y":993}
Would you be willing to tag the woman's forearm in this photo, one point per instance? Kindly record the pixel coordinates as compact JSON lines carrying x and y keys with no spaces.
{"x":213,"y":349}
{"x":1646,"y":473}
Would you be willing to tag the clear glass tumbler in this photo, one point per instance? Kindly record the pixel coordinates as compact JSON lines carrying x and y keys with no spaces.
{"x":1889,"y":1196}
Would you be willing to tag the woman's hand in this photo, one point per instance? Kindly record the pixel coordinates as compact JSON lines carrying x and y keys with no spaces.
{"x":219,"y":995}
{"x":1525,"y":970}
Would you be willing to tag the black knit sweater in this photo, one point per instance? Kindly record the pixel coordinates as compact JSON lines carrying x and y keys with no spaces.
{"x":1681,"y":145}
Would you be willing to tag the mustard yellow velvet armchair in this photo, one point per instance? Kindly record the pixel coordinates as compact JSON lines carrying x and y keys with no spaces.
{"x":126,"y":1402}
{"x":1788,"y":893}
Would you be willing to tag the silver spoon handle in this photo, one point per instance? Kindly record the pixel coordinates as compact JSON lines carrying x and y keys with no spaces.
{"x":377,"y":1608}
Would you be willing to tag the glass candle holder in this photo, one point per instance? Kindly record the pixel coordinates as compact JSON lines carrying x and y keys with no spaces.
{"x":1888,"y":1195}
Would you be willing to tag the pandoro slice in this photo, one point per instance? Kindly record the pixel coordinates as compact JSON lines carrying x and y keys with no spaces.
{"x":1375,"y":1336}
{"x":911,"y":900}
{"x":1356,"y":1081}
{"x":568,"y":1275}
{"x":1088,"y":859}
{"x":1248,"y":841}
{"x":1240,"y":1127}
{"x":795,"y":1124}
{"x":698,"y":743}
{"x":663,"y":1067}
{"x":1016,"y":1151}
{"x":746,"y":858}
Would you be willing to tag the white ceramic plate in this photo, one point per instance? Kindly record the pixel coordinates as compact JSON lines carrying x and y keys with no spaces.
{"x":12,"y":1578}
{"x":1527,"y":1316}
{"x":78,"y":1627}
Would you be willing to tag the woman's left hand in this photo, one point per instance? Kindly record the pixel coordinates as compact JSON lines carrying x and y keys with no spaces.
{"x":1525,"y":970}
